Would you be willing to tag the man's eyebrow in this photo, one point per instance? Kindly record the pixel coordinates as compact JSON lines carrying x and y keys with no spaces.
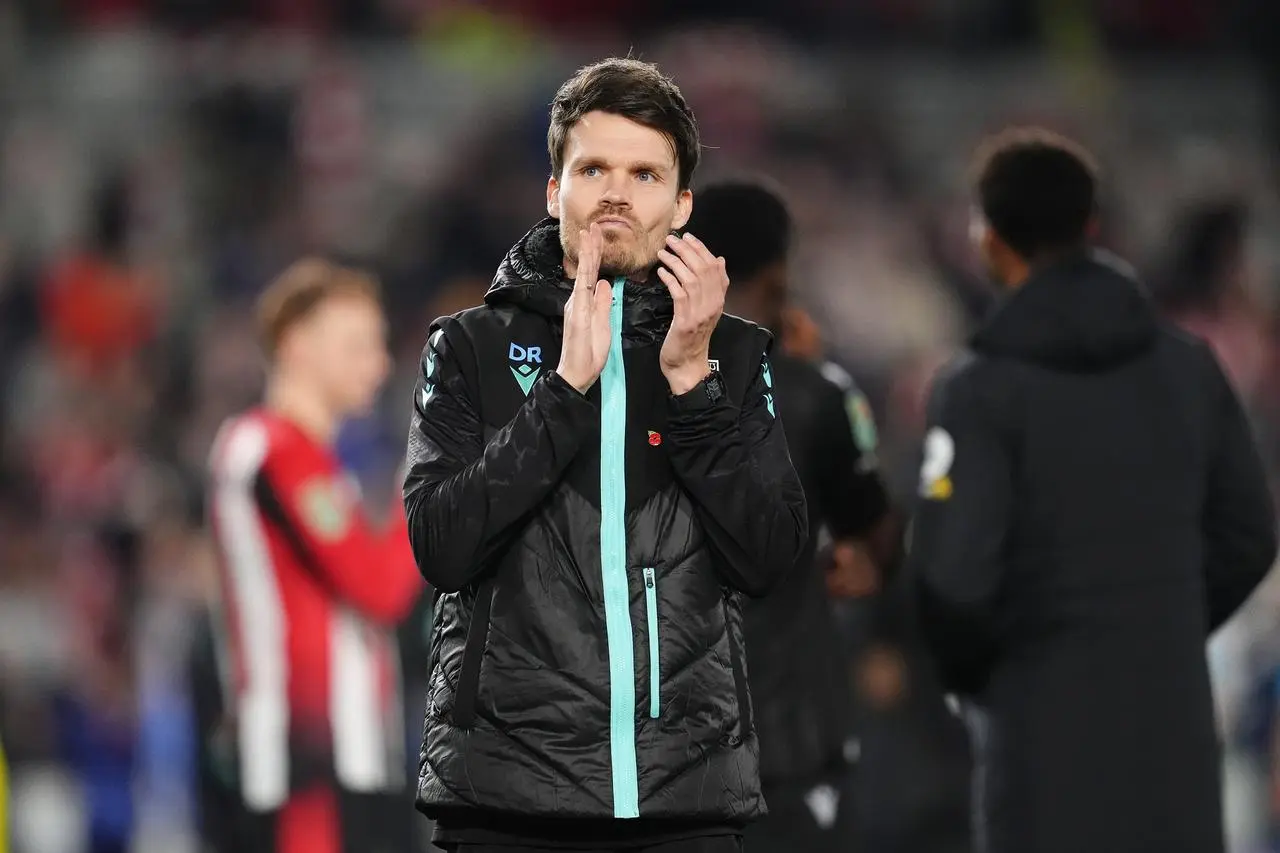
{"x":598,"y":161}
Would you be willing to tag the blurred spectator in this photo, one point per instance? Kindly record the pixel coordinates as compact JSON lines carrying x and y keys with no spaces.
{"x":99,"y":309}
{"x":1211,"y":291}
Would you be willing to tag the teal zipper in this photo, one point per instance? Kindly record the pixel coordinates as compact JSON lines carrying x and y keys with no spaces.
{"x":613,"y":569}
{"x":651,"y":606}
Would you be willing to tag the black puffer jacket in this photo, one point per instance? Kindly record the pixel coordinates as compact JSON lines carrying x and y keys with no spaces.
{"x":591,"y":551}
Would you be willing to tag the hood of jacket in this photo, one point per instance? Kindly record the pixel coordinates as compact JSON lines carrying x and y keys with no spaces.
{"x":1084,"y":313}
{"x":532,"y":278}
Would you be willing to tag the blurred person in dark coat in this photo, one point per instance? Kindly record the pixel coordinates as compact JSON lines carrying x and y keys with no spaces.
{"x":799,"y":672}
{"x":1093,"y":508}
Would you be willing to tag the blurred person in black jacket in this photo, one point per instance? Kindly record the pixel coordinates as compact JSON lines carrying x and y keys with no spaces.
{"x":799,"y":672}
{"x":1093,"y":507}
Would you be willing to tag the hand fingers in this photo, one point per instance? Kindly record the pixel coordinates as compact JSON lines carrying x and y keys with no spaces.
{"x":584,"y":254}
{"x":692,"y":251}
{"x":677,"y":266}
{"x":602,"y":299}
{"x":678,"y":293}
{"x":601,"y":315}
{"x":711,"y":261}
{"x":596,"y":235}
{"x":715,"y":267}
{"x":597,"y":309}
{"x":584,"y":282}
{"x":696,"y":264}
{"x":690,"y":285}
{"x":590,"y":245}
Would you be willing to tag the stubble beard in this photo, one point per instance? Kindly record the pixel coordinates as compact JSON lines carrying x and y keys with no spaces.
{"x":619,"y":258}
{"x":631,"y":259}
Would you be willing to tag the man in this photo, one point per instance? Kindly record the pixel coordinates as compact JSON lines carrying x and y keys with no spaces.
{"x":1093,"y":507}
{"x":800,"y":675}
{"x":596,"y":477}
{"x":311,"y":591}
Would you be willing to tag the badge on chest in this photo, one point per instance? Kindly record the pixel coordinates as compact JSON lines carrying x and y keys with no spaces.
{"x":525,"y":363}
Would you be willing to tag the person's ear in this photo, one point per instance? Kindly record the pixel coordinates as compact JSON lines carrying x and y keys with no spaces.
{"x":553,"y":197}
{"x":684,"y":209}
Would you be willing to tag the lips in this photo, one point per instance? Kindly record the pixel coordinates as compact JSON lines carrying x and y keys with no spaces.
{"x":606,"y":221}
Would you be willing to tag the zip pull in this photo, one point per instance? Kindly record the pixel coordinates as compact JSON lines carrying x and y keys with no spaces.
{"x":651,"y":609}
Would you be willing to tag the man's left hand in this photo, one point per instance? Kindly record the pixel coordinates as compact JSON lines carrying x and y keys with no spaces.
{"x":698,"y":282}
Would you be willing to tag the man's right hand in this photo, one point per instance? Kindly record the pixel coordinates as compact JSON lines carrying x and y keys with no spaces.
{"x":586,"y":317}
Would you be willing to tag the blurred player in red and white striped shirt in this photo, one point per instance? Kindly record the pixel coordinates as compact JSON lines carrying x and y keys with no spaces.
{"x":311,"y":591}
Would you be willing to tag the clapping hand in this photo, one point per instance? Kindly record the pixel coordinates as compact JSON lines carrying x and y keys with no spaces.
{"x":698,"y":283}
{"x":586,"y":317}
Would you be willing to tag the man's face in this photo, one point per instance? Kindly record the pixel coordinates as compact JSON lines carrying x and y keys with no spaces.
{"x":762,"y":298}
{"x":624,"y":176}
{"x":342,"y":347}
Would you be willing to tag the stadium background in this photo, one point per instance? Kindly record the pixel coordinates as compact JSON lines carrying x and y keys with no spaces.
{"x":161,"y":159}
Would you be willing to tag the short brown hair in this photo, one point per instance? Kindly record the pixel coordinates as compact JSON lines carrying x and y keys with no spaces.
{"x":300,"y":289}
{"x":634,"y":90}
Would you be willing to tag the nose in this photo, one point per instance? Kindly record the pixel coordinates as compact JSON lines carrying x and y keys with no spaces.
{"x":616,"y":190}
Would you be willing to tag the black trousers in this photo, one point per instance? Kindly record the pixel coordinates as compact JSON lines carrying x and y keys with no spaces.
{"x":713,"y":844}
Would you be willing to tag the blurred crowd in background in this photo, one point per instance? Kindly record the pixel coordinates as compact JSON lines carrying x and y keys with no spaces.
{"x":161,"y":160}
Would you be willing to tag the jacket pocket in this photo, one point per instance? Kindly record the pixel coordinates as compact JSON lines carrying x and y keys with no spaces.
{"x":655,"y":673}
{"x":739,"y":675}
{"x":464,"y":702}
